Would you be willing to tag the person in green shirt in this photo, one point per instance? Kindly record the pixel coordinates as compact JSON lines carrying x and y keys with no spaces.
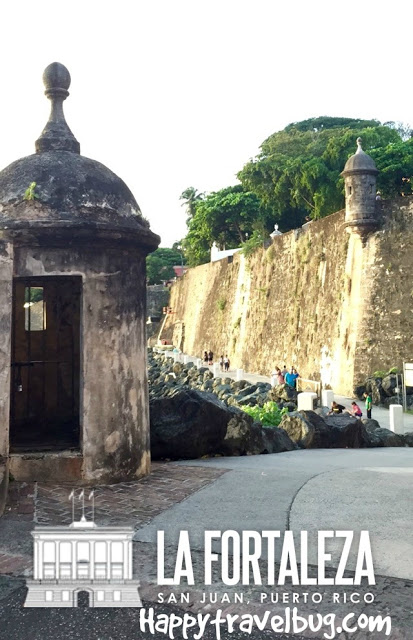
{"x":368,"y":404}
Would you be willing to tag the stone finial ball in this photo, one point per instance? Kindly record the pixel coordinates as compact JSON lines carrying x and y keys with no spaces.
{"x":56,"y":76}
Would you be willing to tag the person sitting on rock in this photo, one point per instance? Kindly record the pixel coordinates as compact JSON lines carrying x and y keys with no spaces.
{"x":355,"y":410}
{"x":336,"y":409}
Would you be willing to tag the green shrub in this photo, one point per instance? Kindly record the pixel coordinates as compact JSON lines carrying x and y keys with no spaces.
{"x":379,"y":374}
{"x":221,"y":302}
{"x":251,"y":245}
{"x":269,"y":415}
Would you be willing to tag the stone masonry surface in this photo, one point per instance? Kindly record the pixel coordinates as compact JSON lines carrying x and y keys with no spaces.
{"x":315,"y":299}
{"x":129,"y":503}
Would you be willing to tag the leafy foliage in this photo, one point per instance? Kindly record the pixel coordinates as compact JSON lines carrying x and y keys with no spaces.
{"x":294,"y":178}
{"x":224,"y":217}
{"x":269,"y":415}
{"x":253,"y":243}
{"x":30,"y":193}
{"x":297,"y":173}
{"x":190,"y":198}
{"x":160,"y":263}
{"x":395,"y":163}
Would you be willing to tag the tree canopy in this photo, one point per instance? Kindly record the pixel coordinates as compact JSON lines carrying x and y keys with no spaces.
{"x":160,"y":263}
{"x":296,"y":176}
{"x":190,"y":197}
{"x":297,"y":172}
{"x":226,"y":217}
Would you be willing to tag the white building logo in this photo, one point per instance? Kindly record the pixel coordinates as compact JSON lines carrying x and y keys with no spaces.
{"x":82,"y":565}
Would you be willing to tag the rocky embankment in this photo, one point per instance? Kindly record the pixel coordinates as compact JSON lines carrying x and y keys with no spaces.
{"x":383,"y":389}
{"x":194,"y":414}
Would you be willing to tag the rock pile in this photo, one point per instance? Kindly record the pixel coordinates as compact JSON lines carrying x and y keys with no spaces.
{"x":167,"y":377}
{"x":191,"y":424}
{"x":194,"y":414}
{"x":383,"y":389}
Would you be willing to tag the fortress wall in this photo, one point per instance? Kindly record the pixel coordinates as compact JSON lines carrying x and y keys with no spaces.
{"x":386,"y":333}
{"x":316,"y":298}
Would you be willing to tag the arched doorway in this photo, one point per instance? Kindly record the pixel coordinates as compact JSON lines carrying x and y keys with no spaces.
{"x":83,"y":599}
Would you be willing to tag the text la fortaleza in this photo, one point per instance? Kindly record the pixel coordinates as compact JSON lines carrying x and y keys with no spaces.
{"x":243,"y":557}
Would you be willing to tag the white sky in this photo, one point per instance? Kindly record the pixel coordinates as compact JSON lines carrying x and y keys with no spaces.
{"x":177,"y":93}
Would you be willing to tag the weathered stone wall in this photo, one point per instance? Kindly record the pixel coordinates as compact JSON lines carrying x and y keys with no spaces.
{"x":316,"y":299}
{"x":6,"y":278}
{"x":114,"y":416}
{"x":157,"y":297}
{"x":386,"y":334}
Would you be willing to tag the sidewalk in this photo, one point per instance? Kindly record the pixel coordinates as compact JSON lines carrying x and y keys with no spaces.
{"x":381,"y":414}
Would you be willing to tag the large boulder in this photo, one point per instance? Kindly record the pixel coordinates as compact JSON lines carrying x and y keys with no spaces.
{"x":374,"y":387}
{"x":283,"y":392}
{"x":379,"y":437}
{"x":389,"y":384}
{"x":243,"y":438}
{"x":190,"y":424}
{"x":347,"y":432}
{"x":408,"y":439}
{"x":276,"y":440}
{"x":305,"y":428}
{"x":359,"y":391}
{"x":239,"y":384}
{"x":246,"y":391}
{"x":311,"y":431}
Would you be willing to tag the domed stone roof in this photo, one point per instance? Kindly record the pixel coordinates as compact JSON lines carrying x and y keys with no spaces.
{"x":360,"y":162}
{"x":57,"y":187}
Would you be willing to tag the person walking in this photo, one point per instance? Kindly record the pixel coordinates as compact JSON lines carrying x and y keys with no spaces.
{"x":206,"y":357}
{"x":221,"y":363}
{"x":368,"y":400}
{"x":226,"y":362}
{"x":210,"y":357}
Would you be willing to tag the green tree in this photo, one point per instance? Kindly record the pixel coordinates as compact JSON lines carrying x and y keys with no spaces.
{"x":224,"y":217}
{"x":297,"y":173}
{"x":160,"y":263}
{"x":395,"y":164}
{"x":190,"y":197}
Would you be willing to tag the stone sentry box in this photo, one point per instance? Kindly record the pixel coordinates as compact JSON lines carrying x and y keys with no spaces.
{"x":73,"y":379}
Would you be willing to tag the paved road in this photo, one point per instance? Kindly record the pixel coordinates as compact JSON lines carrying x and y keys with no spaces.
{"x":340,"y":489}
